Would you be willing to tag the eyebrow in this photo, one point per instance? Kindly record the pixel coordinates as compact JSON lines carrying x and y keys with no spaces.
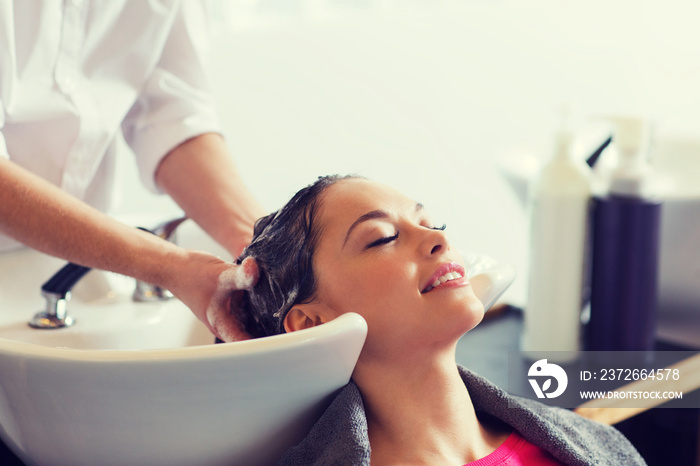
{"x":372,"y":215}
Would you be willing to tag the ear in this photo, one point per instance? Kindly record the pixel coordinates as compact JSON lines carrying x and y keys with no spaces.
{"x":303,"y":316}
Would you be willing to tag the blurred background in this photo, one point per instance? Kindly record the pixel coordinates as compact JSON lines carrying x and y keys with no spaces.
{"x":447,"y":100}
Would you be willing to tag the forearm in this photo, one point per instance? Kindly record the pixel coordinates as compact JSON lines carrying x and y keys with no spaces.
{"x":202,"y":178}
{"x":45,"y":218}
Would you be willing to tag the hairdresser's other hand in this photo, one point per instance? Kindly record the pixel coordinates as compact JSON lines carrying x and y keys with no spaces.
{"x":211,"y":288}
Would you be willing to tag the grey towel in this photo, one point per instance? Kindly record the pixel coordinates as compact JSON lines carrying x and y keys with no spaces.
{"x":340,"y":436}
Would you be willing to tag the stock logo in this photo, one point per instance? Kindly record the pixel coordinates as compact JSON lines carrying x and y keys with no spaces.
{"x":544,"y":371}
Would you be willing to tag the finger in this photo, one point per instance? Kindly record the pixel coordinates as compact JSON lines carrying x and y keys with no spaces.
{"x":242,"y":277}
{"x":223,"y":312}
{"x":231,"y":330}
{"x":232,"y":327}
{"x":223,"y":319}
{"x":248,"y":274}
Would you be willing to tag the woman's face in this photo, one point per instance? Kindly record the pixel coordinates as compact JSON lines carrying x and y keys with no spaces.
{"x":380,"y":255}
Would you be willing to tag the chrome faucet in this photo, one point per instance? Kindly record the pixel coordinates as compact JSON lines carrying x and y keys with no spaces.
{"x":146,"y":292}
{"x":57,"y":293}
{"x":56,"y":290}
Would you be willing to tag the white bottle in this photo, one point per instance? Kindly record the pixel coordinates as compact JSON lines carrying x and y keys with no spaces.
{"x":559,"y":205}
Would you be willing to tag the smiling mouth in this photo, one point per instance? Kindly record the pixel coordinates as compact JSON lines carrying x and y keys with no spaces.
{"x":448,"y":277}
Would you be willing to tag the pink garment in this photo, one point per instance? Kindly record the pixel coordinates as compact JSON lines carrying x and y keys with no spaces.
{"x":516,"y":451}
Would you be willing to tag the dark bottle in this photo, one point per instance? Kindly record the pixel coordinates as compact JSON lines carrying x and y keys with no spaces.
{"x":625,"y":259}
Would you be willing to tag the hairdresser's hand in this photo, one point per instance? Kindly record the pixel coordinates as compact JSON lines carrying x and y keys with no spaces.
{"x":211,"y":288}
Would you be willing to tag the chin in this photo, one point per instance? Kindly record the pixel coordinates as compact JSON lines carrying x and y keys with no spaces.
{"x":473,"y":314}
{"x":462,"y":322}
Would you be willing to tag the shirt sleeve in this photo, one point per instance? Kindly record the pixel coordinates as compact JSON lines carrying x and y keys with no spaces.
{"x":175,"y":103}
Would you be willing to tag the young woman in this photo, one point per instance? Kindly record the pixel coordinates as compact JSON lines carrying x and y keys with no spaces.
{"x":351,"y":245}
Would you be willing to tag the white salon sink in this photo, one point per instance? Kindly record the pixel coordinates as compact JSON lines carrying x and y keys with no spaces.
{"x":143,"y":383}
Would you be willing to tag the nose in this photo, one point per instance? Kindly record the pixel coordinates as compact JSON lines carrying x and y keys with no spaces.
{"x":434,"y":242}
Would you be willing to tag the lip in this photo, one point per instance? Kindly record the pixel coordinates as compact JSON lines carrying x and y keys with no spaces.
{"x":442,"y":270}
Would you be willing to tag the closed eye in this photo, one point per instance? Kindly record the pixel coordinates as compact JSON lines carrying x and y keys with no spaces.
{"x":441,"y":227}
{"x":381,"y":241}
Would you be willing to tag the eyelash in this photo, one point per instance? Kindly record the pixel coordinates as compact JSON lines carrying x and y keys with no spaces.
{"x":389,"y":239}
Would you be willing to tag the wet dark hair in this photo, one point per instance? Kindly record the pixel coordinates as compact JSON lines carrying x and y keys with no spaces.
{"x":283,"y":246}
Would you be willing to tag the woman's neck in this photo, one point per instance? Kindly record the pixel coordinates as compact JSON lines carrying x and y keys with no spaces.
{"x":420,"y":412}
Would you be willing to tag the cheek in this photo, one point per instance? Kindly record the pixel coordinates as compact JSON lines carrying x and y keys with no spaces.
{"x":371,"y":291}
{"x":383,"y":285}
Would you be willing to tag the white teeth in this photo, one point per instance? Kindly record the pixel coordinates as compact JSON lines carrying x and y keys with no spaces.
{"x":445,"y":278}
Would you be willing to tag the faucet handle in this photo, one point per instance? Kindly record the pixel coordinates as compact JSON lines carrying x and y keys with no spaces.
{"x":63,"y":280}
{"x":166,"y":230}
{"x":56,"y":291}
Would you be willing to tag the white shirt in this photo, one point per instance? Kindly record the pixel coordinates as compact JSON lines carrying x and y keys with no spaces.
{"x":76,"y":74}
